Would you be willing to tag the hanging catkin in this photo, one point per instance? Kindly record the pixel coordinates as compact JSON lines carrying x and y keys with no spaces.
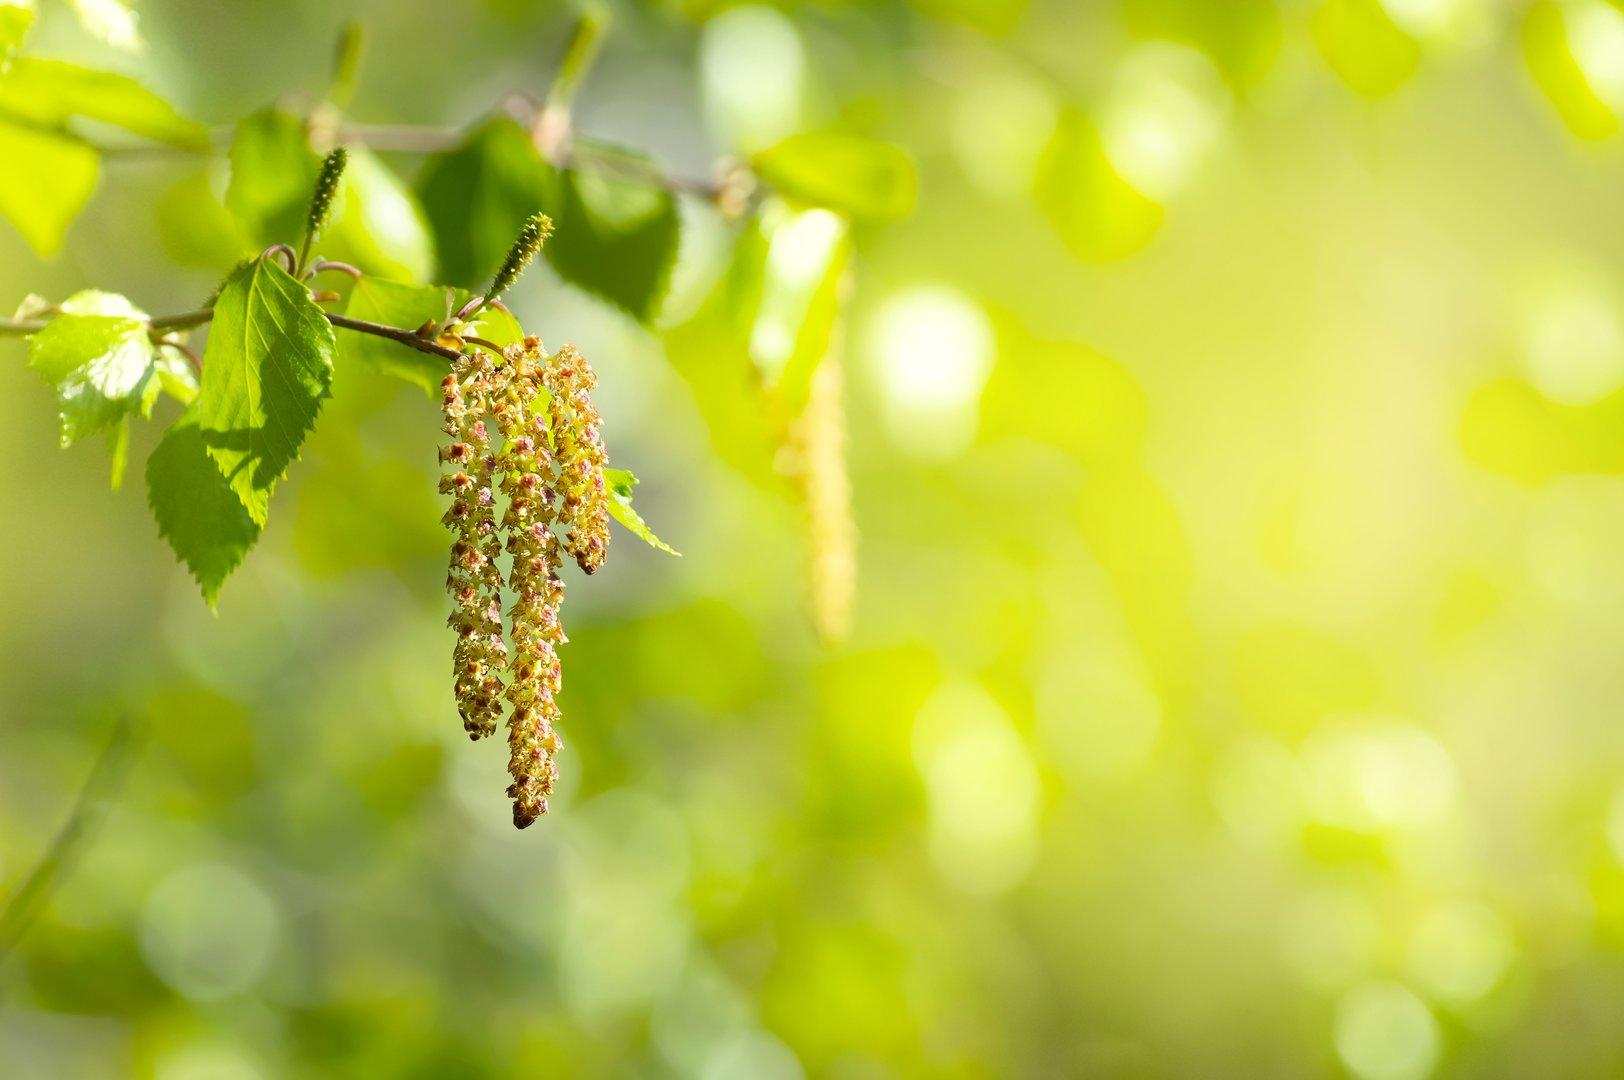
{"x":473,"y":579}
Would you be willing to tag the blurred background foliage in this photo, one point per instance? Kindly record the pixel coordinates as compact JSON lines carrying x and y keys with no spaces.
{"x":1237,"y":440}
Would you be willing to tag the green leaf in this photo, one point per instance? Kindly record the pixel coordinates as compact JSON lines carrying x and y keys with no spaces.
{"x":613,"y":237}
{"x":620,"y":484}
{"x":197,"y":229}
{"x":1364,"y":46}
{"x":113,"y":21}
{"x":175,"y":378}
{"x":711,"y":351}
{"x":267,"y":366}
{"x":42,"y":199}
{"x":272,"y":172}
{"x":1099,"y":215}
{"x":379,"y":225}
{"x":195,"y":507}
{"x":862,"y":177}
{"x":477,"y":196}
{"x":48,"y":92}
{"x":395,"y":303}
{"x":803,"y":291}
{"x":16,"y":16}
{"x":1550,"y":59}
{"x":99,"y":357}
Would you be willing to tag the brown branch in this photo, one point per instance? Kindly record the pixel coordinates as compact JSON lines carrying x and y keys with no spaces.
{"x":198,"y":318}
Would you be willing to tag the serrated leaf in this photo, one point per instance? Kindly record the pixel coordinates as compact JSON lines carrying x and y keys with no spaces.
{"x":613,"y":237}
{"x":477,"y":196}
{"x":273,"y":171}
{"x":197,"y":511}
{"x":99,"y":356}
{"x":48,"y":92}
{"x":1098,"y":214}
{"x":395,"y":303}
{"x":378,"y":224}
{"x":620,"y":484}
{"x":113,"y":21}
{"x":266,"y":368}
{"x":42,"y":199}
{"x":862,"y":177}
{"x":16,"y":16}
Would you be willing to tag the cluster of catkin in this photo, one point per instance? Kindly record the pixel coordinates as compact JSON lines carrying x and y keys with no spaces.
{"x":522,"y":426}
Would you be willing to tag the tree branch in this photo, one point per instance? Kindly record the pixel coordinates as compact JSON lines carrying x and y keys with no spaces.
{"x":185,"y":320}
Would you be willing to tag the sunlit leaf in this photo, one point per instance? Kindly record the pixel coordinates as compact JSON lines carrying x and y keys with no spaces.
{"x":1242,"y":37}
{"x":273,"y":170}
{"x":48,"y":92}
{"x":620,"y":484}
{"x":477,"y":196}
{"x":614,"y":235}
{"x":16,"y":16}
{"x":196,"y":509}
{"x":98,"y":356}
{"x":266,"y":368}
{"x":1364,"y":46}
{"x":1098,"y":214}
{"x":113,"y":21}
{"x":43,"y":199}
{"x":1548,"y":52}
{"x":858,"y":176}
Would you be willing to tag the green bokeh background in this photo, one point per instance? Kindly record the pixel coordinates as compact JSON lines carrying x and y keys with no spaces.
{"x":1234,"y":687}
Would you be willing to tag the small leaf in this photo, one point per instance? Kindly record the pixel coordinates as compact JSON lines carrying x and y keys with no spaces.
{"x":98,"y":356}
{"x":495,"y":325}
{"x":113,"y":21}
{"x":379,"y":226}
{"x":862,"y":177}
{"x":620,"y":484}
{"x":175,"y":377}
{"x":803,"y":290}
{"x":48,"y":92}
{"x":42,"y":199}
{"x":395,"y":303}
{"x":1099,"y":215}
{"x":16,"y":16}
{"x":272,"y":171}
{"x":197,"y":512}
{"x":614,"y":237}
{"x":477,"y":197}
{"x":266,"y":368}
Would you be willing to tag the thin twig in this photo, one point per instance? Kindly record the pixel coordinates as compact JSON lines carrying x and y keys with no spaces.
{"x":89,"y":807}
{"x":198,"y":318}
